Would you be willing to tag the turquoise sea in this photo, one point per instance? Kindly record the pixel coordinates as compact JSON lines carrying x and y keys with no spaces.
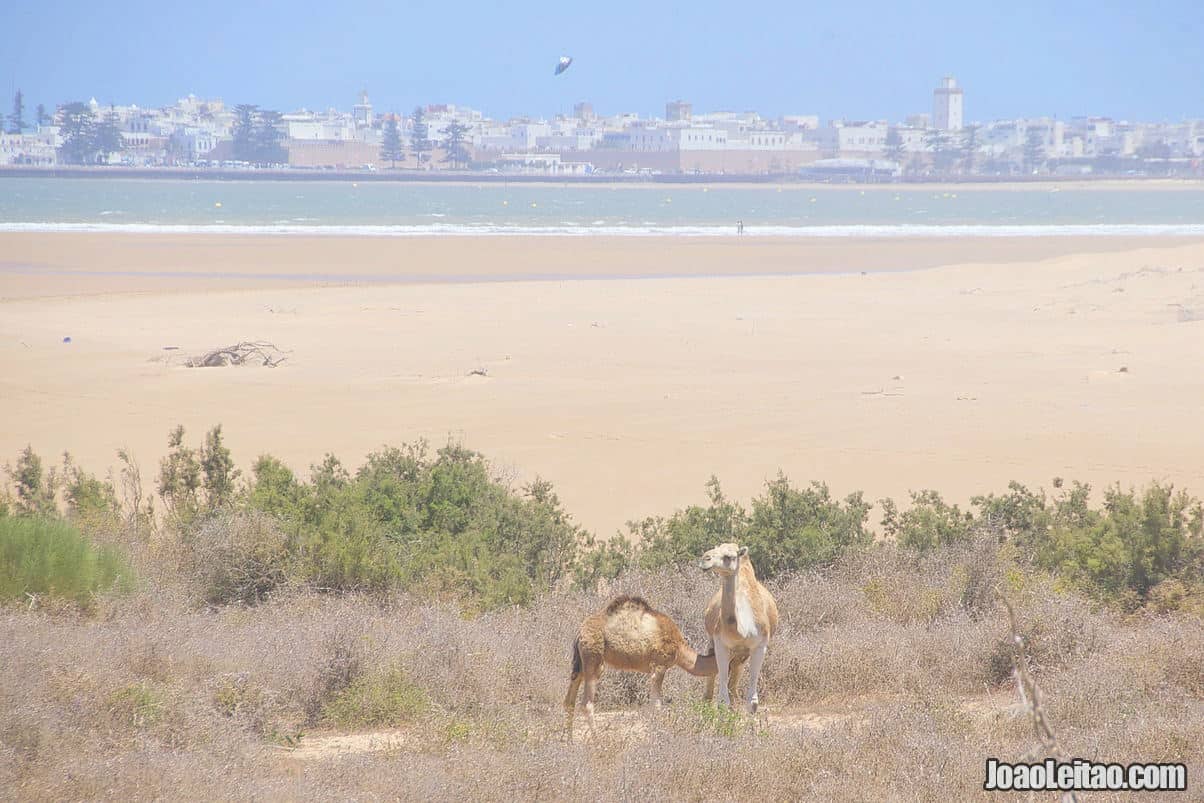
{"x":398,"y":209}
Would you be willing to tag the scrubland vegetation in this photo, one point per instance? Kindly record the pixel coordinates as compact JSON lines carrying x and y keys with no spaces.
{"x":194,"y":643}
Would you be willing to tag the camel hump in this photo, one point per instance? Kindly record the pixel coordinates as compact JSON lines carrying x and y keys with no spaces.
{"x":631,"y":602}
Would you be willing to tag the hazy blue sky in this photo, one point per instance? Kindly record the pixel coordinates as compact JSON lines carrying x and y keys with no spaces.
{"x":856,"y":59}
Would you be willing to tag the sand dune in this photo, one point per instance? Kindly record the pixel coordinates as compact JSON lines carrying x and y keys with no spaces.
{"x":1008,"y":359}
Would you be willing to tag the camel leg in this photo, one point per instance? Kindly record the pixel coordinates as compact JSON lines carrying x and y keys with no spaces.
{"x":709,"y":693}
{"x":723,"y":657}
{"x":733,"y":675}
{"x":754,"y":671}
{"x":658,"y":678}
{"x":591,"y":691}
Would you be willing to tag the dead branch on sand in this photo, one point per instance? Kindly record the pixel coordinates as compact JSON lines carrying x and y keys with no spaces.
{"x":245,"y":353}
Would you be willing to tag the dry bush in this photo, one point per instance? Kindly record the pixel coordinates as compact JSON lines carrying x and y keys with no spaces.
{"x":238,"y":557}
{"x":155,"y":698}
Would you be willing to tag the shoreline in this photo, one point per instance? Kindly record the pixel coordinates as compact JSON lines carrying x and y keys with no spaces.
{"x":903,"y":231}
{"x":678,"y":181}
{"x":39,"y":265}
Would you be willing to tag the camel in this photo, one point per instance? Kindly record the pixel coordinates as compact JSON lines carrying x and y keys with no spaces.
{"x":631,"y":635}
{"x":740,"y":619}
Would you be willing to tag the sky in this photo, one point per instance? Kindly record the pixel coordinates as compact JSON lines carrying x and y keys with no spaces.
{"x":862,"y":59}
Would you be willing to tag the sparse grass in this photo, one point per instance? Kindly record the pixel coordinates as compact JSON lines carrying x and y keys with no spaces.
{"x":139,"y":706}
{"x":711,"y":719}
{"x":387,"y":698}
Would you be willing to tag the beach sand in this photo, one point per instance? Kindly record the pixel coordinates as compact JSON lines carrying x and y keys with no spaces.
{"x":871,"y":364}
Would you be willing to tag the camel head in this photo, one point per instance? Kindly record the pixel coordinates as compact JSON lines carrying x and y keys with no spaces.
{"x":723,"y":559}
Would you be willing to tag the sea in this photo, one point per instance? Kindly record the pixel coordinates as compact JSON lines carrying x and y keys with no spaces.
{"x":376,"y":208}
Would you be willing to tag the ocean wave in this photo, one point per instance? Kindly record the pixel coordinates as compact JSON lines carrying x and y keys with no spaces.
{"x":593,"y":229}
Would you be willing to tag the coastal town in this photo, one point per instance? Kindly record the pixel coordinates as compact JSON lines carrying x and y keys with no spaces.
{"x":940,"y":143}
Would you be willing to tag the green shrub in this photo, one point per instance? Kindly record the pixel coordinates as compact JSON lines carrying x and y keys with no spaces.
{"x":45,"y":556}
{"x":794,"y":529}
{"x":1131,"y":546}
{"x":91,"y":503}
{"x":196,"y":482}
{"x":929,"y":522}
{"x":382,"y":699}
{"x":1016,"y":515}
{"x":788,"y":529}
{"x":684,"y":536}
{"x":275,"y":490}
{"x":36,"y":489}
{"x":1119,"y":553}
{"x":180,"y":480}
{"x":602,"y":560}
{"x":441,"y":523}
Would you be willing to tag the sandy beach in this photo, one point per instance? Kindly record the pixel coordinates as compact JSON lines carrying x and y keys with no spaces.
{"x":625,"y":370}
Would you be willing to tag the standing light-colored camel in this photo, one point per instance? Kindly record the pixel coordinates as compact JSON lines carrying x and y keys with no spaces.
{"x":740,"y":619}
{"x":631,"y":635}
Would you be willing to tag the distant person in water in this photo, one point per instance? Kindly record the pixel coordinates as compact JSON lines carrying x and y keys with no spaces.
{"x":739,"y":227}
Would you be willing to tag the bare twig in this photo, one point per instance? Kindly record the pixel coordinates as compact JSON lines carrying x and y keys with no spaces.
{"x":1032,"y":699}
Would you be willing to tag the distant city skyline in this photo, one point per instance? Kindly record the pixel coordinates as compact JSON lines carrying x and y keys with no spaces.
{"x":880,"y":61}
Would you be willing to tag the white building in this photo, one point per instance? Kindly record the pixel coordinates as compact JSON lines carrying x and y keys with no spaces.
{"x":516,"y":137}
{"x":29,"y":149}
{"x":191,"y":143}
{"x":361,"y":112}
{"x":646,"y":137}
{"x":798,"y":122}
{"x":541,"y":164}
{"x":947,"y":105}
{"x":840,"y":136}
{"x":700,"y":138}
{"x":911,"y":139}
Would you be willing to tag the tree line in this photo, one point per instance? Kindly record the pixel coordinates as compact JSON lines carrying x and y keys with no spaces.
{"x":88,"y":139}
{"x":392,"y":147}
{"x":957,"y":151}
{"x":443,"y":523}
{"x":17,"y":123}
{"x":258,"y":135}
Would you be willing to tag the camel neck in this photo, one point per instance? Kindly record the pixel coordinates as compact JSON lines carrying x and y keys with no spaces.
{"x":702,"y":666}
{"x":727,"y":604}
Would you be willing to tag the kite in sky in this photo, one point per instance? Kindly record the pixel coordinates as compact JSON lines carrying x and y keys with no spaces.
{"x":565,"y":61}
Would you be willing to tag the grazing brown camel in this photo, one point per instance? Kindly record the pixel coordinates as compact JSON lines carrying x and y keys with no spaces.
{"x":631,"y":635}
{"x":740,"y":619}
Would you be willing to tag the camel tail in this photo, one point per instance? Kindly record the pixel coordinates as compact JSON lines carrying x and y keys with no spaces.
{"x":576,"y":657}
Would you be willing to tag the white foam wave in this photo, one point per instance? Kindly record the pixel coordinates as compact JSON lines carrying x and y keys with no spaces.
{"x":595,"y":230}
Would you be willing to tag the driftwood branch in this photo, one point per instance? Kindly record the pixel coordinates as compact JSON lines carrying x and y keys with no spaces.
{"x":247,"y":352}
